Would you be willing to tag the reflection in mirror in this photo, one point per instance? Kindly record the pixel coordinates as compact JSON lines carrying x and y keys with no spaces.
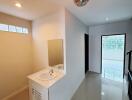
{"x":55,"y":53}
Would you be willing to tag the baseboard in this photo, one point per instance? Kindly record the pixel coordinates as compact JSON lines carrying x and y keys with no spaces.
{"x":15,"y":93}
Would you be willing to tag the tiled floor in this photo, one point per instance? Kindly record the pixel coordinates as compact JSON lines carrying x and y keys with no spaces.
{"x":93,"y":88}
{"x":96,"y":88}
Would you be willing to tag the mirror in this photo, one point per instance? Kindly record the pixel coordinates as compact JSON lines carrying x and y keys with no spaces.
{"x":55,"y":53}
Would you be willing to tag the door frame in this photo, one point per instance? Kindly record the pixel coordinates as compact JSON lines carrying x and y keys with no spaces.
{"x":124,"y":51}
{"x":86,"y":52}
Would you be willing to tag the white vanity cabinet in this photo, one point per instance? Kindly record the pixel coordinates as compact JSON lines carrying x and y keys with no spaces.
{"x":38,"y":92}
{"x":41,"y":82}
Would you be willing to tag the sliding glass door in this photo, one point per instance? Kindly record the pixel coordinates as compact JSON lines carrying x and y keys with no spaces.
{"x":113,"y":49}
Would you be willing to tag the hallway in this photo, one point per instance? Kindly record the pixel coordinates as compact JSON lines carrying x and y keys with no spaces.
{"x":96,"y":88}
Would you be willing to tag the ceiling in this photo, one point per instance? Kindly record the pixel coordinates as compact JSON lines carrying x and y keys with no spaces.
{"x":31,"y":9}
{"x":95,"y":12}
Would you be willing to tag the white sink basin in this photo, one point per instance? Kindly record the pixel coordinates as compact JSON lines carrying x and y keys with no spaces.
{"x":47,"y":76}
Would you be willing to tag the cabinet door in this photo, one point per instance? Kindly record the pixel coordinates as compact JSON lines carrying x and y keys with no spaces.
{"x":38,"y":92}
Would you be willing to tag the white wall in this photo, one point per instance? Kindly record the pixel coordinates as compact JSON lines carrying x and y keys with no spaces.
{"x":95,"y":33}
{"x":46,"y":28}
{"x":15,"y":56}
{"x":61,"y":24}
{"x":74,"y":59}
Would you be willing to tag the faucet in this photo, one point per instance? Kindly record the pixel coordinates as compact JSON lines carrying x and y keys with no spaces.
{"x":51,"y":71}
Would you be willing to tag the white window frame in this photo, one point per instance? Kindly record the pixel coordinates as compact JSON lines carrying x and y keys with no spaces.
{"x":24,"y":30}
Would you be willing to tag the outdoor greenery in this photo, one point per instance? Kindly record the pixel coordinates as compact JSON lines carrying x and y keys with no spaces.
{"x":114,"y":43}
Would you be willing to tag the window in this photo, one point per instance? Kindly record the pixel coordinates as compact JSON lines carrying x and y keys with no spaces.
{"x":25,"y":30}
{"x":3,"y":27}
{"x":113,"y":43}
{"x":19,"y":29}
{"x":12,"y":28}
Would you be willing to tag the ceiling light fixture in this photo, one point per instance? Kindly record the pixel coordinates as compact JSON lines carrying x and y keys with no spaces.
{"x":18,"y":5}
{"x":81,"y":3}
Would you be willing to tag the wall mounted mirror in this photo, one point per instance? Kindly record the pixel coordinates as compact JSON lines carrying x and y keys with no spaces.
{"x":55,"y":53}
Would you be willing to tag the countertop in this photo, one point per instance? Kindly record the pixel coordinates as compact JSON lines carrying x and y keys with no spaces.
{"x":46,"y":83}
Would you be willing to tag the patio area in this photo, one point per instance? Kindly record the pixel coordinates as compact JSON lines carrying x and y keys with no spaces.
{"x":113,"y":70}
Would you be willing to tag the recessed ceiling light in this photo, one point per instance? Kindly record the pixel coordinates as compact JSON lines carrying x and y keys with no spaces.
{"x":107,"y":19}
{"x":18,"y":5}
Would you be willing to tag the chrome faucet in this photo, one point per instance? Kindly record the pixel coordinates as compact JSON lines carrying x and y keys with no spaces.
{"x":51,"y":71}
